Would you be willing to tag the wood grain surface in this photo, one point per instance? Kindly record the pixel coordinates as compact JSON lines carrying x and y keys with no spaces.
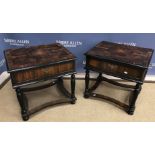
{"x":36,"y":56}
{"x":136,"y":56}
{"x":32,"y":64}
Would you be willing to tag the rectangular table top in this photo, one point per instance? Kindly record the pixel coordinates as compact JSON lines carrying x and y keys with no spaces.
{"x":35,"y":56}
{"x":131,"y":55}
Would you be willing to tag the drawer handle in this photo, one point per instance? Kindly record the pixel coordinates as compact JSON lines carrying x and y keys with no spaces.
{"x":125,"y":72}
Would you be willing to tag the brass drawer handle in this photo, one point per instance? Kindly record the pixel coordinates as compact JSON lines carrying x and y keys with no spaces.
{"x":125,"y":72}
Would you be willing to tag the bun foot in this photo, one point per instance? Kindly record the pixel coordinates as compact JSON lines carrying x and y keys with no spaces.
{"x":86,"y":95}
{"x":131,"y":111}
{"x":25,"y":117}
{"x":73,"y":101}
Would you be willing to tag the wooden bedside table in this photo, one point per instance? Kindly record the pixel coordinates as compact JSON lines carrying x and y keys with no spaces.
{"x":40,"y":63}
{"x":122,"y":61}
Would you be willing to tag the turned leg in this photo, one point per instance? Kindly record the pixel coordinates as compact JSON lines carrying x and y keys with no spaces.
{"x":99,"y":78}
{"x":86,"y":93}
{"x":60,"y":80}
{"x":73,"y":88}
{"x":133,"y":99}
{"x":23,"y":104}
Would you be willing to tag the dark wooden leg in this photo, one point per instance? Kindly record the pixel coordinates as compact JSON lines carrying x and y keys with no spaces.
{"x":99,"y":79}
{"x":86,"y":93}
{"x":73,"y":88}
{"x":23,"y":104}
{"x":97,"y":83}
{"x":134,"y":98}
{"x":60,"y":80}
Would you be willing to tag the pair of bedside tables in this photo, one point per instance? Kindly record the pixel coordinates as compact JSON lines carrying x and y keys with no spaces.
{"x":31,"y":65}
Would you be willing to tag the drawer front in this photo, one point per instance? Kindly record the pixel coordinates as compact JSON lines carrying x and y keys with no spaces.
{"x":42,"y":73}
{"x":117,"y":69}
